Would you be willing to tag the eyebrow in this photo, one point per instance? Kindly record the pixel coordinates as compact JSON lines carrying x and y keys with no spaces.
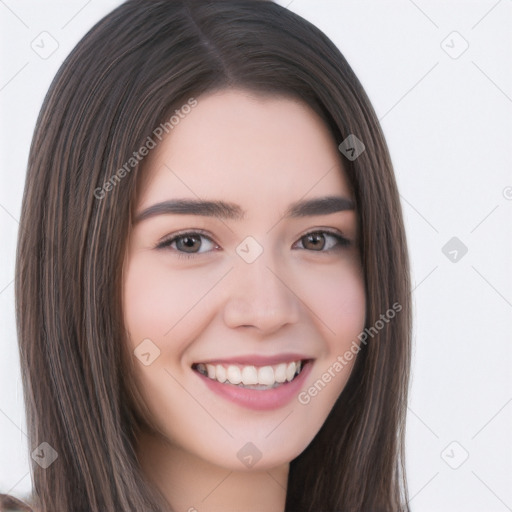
{"x":231,"y":211}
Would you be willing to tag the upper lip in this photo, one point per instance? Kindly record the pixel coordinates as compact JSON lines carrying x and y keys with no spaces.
{"x":258,"y":359}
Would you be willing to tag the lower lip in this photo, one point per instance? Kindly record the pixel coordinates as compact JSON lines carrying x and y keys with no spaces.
{"x":260,"y":399}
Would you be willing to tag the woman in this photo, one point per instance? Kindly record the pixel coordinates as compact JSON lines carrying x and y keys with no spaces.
{"x":269,"y":369}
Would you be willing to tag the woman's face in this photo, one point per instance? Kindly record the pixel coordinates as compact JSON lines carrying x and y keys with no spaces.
{"x":247,"y":289}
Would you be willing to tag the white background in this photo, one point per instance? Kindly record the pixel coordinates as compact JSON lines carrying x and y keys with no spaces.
{"x":448,"y":123}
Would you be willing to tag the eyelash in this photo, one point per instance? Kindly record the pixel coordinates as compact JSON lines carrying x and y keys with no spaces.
{"x":342,"y":241}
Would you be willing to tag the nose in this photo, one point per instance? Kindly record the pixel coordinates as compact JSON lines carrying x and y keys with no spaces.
{"x":261,"y":296}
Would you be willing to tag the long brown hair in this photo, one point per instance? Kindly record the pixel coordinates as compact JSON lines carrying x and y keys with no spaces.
{"x":123,"y":79}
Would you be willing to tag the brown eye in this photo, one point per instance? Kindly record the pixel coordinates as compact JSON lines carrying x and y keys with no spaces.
{"x":188,"y":243}
{"x":315,"y":241}
{"x":318,"y":240}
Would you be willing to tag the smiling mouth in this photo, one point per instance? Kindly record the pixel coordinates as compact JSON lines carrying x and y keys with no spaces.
{"x":250,"y":376}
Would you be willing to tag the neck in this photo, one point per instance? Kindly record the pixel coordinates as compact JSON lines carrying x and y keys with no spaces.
{"x":192,"y":484}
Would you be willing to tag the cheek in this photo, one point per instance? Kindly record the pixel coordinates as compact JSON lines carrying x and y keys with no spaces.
{"x":155,"y":299}
{"x":339,"y":302}
{"x":337,"y":297}
{"x":146,"y":298}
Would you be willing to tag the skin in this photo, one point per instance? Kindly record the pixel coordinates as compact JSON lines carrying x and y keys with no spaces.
{"x":261,"y":153}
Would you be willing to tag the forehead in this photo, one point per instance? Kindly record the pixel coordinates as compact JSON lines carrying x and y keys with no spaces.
{"x":248,"y":149}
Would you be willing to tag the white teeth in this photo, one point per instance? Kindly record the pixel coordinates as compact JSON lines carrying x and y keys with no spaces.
{"x":269,"y":376}
{"x":266,"y":376}
{"x":280,"y":372}
{"x":211,"y":371}
{"x":249,"y":375}
{"x":234,"y":374}
{"x":290,"y":371}
{"x":220,"y":372}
